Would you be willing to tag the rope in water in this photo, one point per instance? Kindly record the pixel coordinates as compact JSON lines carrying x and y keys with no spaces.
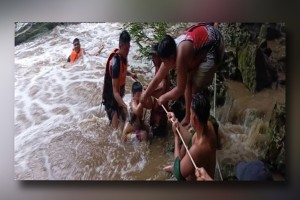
{"x":215,"y":94}
{"x":187,"y":150}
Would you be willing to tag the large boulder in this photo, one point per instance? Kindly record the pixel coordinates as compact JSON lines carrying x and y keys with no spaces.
{"x":266,"y":73}
{"x":275,"y":152}
{"x":28,"y":31}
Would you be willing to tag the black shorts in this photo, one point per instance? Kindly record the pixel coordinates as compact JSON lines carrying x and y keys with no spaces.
{"x":112,"y":108}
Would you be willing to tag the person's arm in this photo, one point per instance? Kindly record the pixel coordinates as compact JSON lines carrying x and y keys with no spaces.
{"x":137,"y":108}
{"x":160,"y":88}
{"x":185,"y":134}
{"x":184,"y":56}
{"x":117,"y":96}
{"x":186,"y":166}
{"x":133,"y":75}
{"x":69,"y":59}
{"x":83,"y":51}
{"x":115,"y":68}
{"x":160,"y":75}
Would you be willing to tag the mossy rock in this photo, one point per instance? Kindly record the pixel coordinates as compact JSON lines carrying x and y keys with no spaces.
{"x":275,"y":152}
{"x":246,"y":63}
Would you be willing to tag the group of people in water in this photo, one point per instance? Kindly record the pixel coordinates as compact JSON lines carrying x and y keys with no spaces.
{"x":195,"y":55}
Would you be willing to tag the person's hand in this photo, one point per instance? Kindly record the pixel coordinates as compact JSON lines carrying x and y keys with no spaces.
{"x":202,"y":175}
{"x":145,"y":87}
{"x":133,"y":75}
{"x":171,"y":116}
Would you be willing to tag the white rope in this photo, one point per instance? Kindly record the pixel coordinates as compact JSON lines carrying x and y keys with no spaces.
{"x":215,"y":94}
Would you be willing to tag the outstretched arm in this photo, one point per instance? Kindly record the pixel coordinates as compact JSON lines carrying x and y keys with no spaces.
{"x":160,"y":75}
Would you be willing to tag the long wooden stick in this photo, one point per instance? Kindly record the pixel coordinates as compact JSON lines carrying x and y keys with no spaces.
{"x":187,"y":150}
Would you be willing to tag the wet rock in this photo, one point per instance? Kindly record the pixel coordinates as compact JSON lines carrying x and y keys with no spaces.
{"x":229,"y":68}
{"x":266,"y":73}
{"x":31,"y":30}
{"x":275,"y":152}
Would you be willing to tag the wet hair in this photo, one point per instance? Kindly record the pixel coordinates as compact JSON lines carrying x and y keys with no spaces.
{"x":201,"y":107}
{"x":136,"y":87}
{"x":166,"y":47}
{"x":76,"y":40}
{"x":124,"y":38}
{"x":153,"y":49}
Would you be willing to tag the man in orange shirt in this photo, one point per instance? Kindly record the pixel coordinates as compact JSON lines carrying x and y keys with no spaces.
{"x":77,"y":51}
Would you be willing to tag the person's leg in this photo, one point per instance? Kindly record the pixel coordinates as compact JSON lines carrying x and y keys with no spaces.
{"x":188,"y":101}
{"x":128,"y":129}
{"x":115,"y":120}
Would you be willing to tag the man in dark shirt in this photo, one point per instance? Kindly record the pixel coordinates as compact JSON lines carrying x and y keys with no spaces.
{"x":115,"y":80}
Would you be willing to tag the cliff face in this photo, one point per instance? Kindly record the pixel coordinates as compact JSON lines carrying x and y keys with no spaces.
{"x":258,"y":52}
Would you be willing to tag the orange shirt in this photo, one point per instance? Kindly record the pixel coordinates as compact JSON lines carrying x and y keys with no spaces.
{"x":74,"y":55}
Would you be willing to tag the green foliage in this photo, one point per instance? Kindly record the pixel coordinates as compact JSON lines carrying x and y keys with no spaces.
{"x":146,"y":34}
{"x":235,"y":35}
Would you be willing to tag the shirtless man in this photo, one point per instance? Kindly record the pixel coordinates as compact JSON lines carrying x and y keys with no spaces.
{"x":134,"y":129}
{"x":202,"y":144}
{"x":195,"y":54}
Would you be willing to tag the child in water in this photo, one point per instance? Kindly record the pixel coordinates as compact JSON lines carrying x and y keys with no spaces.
{"x":134,"y":129}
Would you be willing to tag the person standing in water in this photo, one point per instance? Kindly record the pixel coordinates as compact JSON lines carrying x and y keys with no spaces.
{"x":115,"y":80}
{"x":158,"y":118}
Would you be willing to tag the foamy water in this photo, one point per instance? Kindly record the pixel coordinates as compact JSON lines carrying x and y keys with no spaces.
{"x":61,"y":132}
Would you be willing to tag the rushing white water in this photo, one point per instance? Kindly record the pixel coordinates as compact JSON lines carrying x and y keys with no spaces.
{"x":61,"y":132}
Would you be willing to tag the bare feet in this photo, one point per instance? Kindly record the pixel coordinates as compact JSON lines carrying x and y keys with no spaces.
{"x":168,"y":168}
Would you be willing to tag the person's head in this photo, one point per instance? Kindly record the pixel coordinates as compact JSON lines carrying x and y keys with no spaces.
{"x":136,"y":89}
{"x":254,"y":170}
{"x":76,"y":45}
{"x":124,"y":43}
{"x":200,"y":109}
{"x":154,"y":57}
{"x":166,"y":50}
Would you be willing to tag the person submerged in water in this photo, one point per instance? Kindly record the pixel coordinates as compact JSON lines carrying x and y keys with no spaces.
{"x":77,"y":51}
{"x":202,"y":144}
{"x":134,"y":129}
